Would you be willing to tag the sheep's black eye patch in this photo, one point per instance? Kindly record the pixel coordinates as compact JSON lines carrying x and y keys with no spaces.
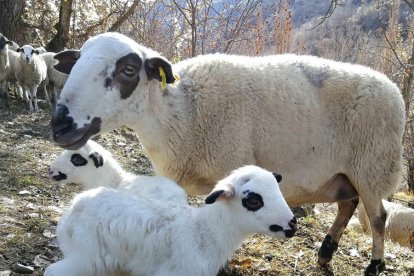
{"x":253,"y":201}
{"x":78,"y":160}
{"x":97,"y":159}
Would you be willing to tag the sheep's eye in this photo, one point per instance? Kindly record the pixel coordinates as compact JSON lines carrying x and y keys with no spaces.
{"x":78,"y":160}
{"x":253,"y":202}
{"x":129,"y":70}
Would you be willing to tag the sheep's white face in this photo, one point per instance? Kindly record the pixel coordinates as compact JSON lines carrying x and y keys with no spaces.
{"x":253,"y":194}
{"x":74,"y":166}
{"x":107,"y":86}
{"x":27,"y":52}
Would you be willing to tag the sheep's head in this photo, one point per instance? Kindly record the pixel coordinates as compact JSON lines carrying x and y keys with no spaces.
{"x":78,"y":166}
{"x":108,"y":81}
{"x":253,"y":194}
{"x":27,"y":53}
{"x":3,"y":43}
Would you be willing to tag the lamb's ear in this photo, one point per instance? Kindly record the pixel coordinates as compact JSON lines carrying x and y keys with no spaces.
{"x":97,"y":159}
{"x":19,"y":50}
{"x":67,"y":60}
{"x":36,"y":52}
{"x":278,"y":177}
{"x":152,"y":68}
{"x":220,"y":192}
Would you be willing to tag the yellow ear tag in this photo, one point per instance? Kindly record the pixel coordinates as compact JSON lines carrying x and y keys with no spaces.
{"x":163,"y":78}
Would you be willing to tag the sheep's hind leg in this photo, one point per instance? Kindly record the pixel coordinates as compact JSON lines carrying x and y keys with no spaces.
{"x":330,"y":243}
{"x":377,"y":217}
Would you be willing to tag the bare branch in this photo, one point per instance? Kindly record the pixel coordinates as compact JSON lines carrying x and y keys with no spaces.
{"x":334,"y":4}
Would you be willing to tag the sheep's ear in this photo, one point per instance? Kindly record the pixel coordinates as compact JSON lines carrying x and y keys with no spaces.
{"x":9,"y":42}
{"x":97,"y":159}
{"x":36,"y":51}
{"x":278,"y":177}
{"x":19,"y":50}
{"x":67,"y":60}
{"x":220,"y":192}
{"x":152,"y":68}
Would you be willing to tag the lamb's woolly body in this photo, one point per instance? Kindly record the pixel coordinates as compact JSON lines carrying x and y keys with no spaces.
{"x":106,"y":230}
{"x":111,"y":174}
{"x":334,"y":130}
{"x":31,"y":74}
{"x":399,"y":226}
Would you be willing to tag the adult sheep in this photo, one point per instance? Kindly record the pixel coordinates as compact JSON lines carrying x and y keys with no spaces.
{"x":333,"y":129}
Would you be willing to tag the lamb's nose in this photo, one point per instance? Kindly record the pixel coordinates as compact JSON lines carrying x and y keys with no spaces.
{"x":61,"y":123}
{"x":293,"y":226}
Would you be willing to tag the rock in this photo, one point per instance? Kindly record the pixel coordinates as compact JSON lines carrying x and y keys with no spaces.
{"x":22,"y":269}
{"x":25,"y":192}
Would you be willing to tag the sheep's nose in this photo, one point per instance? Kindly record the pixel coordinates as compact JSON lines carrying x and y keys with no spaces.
{"x":293,"y":226}
{"x":61,"y":123}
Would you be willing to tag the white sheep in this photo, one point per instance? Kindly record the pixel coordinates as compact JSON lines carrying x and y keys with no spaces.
{"x":8,"y":62}
{"x":399,"y":226}
{"x":93,"y":166}
{"x":31,"y":72}
{"x":56,"y":79}
{"x":107,"y":230}
{"x":333,"y":129}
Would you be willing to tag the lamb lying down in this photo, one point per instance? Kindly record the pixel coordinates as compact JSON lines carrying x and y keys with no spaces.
{"x":399,"y":225}
{"x":106,"y":230}
{"x":93,"y":166}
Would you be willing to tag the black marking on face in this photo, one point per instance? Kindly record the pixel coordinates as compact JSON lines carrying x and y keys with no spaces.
{"x":78,"y":160}
{"x":60,"y":176}
{"x":108,"y":82}
{"x":278,"y":177}
{"x":211,"y":198}
{"x":126,"y":74}
{"x":97,"y":159}
{"x":253,"y":201}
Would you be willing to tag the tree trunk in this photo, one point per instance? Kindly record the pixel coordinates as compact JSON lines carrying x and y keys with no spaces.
{"x":61,"y":38}
{"x":12,"y":25}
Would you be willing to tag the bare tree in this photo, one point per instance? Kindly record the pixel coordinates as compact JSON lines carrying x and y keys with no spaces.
{"x":61,"y":38}
{"x":11,"y":19}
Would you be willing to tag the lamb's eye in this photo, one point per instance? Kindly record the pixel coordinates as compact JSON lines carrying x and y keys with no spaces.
{"x":78,"y":160}
{"x":253,"y":201}
{"x":129,"y":70}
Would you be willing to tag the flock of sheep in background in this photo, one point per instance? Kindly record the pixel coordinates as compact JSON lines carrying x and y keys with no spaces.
{"x":28,"y":68}
{"x":148,"y":219}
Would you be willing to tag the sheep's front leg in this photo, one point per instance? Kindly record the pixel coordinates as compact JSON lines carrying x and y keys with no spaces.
{"x":34,"y":97}
{"x":377,"y":217}
{"x":330,"y":243}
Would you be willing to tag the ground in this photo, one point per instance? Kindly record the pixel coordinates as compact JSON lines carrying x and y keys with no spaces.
{"x":30,"y":207}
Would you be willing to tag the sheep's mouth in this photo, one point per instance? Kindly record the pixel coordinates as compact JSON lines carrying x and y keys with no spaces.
{"x":72,"y":138}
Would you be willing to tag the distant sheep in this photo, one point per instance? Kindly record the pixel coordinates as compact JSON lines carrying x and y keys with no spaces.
{"x":8,"y":62}
{"x":56,"y":79}
{"x":334,"y":130}
{"x":31,"y":72}
{"x":106,"y":230}
{"x":93,"y":166}
{"x":399,"y":226}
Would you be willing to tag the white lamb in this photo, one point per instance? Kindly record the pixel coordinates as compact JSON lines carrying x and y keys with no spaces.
{"x":93,"y":166}
{"x":8,"y":62}
{"x":31,"y":72}
{"x":399,"y":226}
{"x":106,"y":230}
{"x":56,"y":79}
{"x":334,"y":130}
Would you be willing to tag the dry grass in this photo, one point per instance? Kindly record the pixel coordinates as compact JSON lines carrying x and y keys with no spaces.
{"x":30,"y":208}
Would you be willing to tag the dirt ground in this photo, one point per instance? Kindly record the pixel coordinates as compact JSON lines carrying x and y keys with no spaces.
{"x":30,"y":207}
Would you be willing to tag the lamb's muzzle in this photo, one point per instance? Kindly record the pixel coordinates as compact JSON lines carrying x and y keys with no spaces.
{"x":288,"y":233}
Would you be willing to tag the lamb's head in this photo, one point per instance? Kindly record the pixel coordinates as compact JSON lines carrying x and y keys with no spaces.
{"x":4,"y":42}
{"x":27,"y":52}
{"x":253,"y":194}
{"x":108,"y":81}
{"x":79,"y":166}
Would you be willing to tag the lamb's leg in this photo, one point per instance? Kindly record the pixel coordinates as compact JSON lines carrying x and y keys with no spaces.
{"x":68,"y":267}
{"x":330,"y":243}
{"x":31,"y":100}
{"x":34,"y":98}
{"x":377,"y":217}
{"x":47,"y":95}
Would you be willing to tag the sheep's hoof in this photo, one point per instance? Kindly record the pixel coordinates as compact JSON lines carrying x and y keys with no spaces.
{"x":326,"y":251}
{"x":375,"y":268}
